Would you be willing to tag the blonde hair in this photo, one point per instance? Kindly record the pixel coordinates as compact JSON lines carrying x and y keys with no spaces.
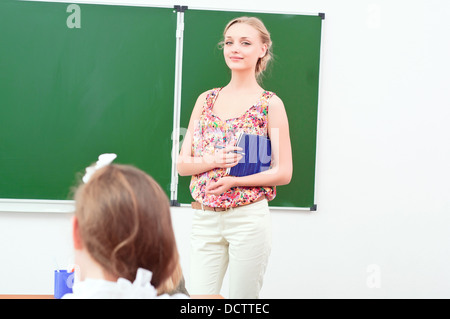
{"x":256,"y":23}
{"x":125,"y":224}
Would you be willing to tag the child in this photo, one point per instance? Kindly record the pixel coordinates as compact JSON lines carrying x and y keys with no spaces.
{"x":123,"y":237}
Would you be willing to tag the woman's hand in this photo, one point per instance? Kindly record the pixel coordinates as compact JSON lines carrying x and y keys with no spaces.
{"x":220,"y":186}
{"x":225,"y":157}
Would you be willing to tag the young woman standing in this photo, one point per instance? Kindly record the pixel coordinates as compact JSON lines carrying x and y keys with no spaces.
{"x":231,"y":224}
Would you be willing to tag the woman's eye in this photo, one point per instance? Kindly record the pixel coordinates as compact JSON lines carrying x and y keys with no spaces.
{"x":228,"y":43}
{"x":245,"y":43}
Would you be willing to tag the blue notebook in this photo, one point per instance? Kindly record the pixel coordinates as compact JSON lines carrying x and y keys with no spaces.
{"x":257,"y":158}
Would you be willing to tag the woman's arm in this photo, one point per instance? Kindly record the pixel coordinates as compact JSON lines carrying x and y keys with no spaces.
{"x":281,"y":171}
{"x":190,"y":165}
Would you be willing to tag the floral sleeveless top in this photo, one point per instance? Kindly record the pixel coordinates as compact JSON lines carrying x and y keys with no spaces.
{"x":211,"y":131}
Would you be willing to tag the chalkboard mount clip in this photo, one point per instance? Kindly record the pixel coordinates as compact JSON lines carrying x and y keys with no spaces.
{"x":179,"y":8}
{"x":174,"y":203}
{"x":313,"y":208}
{"x":322,"y":15}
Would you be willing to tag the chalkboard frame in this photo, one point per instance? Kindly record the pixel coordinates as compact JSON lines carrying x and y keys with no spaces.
{"x":172,"y":189}
{"x":299,"y":194}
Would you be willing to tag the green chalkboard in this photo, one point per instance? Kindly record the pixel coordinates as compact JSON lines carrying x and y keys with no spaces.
{"x":73,"y":87}
{"x":293,"y":76}
{"x":70,"y":94}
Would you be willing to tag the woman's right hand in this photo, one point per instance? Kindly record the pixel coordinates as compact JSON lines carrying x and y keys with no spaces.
{"x":225,"y":157}
{"x":188,"y":164}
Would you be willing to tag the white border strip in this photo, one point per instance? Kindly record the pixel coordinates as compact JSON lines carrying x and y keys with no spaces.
{"x":177,"y":106}
{"x":36,"y":206}
{"x":254,"y":11}
{"x":144,"y":3}
{"x":274,"y":208}
{"x":109,"y":3}
{"x":68,"y":206}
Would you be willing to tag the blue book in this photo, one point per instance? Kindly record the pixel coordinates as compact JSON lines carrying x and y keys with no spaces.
{"x":257,"y":158}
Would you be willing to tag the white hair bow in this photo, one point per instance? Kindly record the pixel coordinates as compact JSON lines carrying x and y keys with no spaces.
{"x":103,"y":160}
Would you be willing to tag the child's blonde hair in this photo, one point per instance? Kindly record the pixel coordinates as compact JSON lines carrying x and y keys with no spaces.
{"x":263,"y":62}
{"x":125,"y":224}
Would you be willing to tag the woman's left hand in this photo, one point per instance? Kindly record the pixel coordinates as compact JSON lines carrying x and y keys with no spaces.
{"x":220,"y":186}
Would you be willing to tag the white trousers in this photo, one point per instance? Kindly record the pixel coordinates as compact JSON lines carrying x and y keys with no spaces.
{"x":240,"y":238}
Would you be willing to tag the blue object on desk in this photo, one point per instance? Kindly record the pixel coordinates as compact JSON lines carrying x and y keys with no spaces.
{"x":63,"y":283}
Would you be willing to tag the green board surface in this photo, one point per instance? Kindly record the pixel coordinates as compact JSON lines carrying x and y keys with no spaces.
{"x":293,"y":76}
{"x":69,"y":94}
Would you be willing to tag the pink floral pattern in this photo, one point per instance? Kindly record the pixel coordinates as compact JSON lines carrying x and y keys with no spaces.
{"x":211,"y":131}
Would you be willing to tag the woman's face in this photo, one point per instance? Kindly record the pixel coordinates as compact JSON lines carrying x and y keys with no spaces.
{"x":243,"y":47}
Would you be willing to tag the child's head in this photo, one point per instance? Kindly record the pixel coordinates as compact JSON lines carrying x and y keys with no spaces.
{"x":122,"y":220}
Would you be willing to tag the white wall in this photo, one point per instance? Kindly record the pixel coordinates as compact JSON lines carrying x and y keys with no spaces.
{"x":382,"y":182}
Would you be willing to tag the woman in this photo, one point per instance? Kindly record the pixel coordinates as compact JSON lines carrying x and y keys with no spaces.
{"x":231,"y":224}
